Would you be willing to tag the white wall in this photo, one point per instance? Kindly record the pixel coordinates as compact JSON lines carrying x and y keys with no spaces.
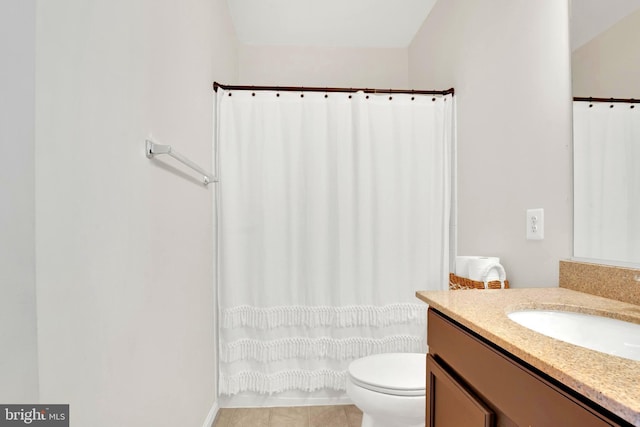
{"x":323,"y":66}
{"x":124,"y":244}
{"x":508,"y":61}
{"x":609,"y":65}
{"x":18,"y":343}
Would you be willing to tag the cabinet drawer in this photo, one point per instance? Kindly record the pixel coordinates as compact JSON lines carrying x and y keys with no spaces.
{"x":507,"y":387}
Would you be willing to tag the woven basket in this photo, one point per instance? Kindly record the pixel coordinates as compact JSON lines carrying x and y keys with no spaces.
{"x":457,"y":282}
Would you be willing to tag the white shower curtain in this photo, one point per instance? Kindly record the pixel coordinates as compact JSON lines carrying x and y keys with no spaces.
{"x":333,"y":210}
{"x":606,"y":181}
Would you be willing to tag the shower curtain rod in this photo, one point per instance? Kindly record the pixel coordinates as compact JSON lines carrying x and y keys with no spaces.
{"x":217,"y":85}
{"x":623,"y":100}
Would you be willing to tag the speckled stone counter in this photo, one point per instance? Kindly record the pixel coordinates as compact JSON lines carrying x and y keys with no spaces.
{"x":611,"y":382}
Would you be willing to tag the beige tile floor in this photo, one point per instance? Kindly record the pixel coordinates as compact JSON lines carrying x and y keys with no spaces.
{"x":300,"y":416}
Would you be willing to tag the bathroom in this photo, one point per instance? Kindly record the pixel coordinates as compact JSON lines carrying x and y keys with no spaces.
{"x":107,"y":264}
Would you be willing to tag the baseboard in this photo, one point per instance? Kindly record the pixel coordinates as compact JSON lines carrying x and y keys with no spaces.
{"x":211,"y":417}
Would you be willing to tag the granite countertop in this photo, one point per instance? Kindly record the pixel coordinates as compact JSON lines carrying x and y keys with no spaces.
{"x":610,"y":381}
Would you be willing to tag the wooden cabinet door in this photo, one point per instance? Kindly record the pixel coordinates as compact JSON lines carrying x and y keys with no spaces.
{"x":450,"y":404}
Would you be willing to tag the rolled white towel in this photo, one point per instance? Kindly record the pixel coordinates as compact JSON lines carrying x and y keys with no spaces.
{"x":463,"y":264}
{"x":477,"y":266}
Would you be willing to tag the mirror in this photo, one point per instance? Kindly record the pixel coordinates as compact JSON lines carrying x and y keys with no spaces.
{"x":606,"y":64}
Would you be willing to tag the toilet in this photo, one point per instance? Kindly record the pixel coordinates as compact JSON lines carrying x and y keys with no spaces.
{"x":389,"y":389}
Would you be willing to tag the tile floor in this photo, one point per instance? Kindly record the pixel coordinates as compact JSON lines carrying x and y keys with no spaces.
{"x":300,"y":416}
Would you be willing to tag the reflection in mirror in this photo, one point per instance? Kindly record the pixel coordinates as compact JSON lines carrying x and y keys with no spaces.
{"x":606,"y":64}
{"x":606,"y":191}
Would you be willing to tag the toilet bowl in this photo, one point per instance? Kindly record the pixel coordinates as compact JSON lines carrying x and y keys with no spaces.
{"x":389,"y":389}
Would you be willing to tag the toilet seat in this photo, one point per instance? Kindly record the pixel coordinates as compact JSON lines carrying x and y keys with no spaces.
{"x":397,"y":374}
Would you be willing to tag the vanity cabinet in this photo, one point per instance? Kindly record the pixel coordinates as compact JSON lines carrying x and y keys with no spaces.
{"x":471,"y":382}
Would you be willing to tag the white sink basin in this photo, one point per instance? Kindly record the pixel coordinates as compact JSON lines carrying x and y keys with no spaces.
{"x":611,"y":336}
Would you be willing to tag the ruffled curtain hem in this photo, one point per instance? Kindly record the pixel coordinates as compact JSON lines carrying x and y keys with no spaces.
{"x":323,"y":347}
{"x":322,"y":316}
{"x":282,"y":381}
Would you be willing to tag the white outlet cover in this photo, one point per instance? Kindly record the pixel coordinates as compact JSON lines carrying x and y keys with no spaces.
{"x":535,"y":224}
